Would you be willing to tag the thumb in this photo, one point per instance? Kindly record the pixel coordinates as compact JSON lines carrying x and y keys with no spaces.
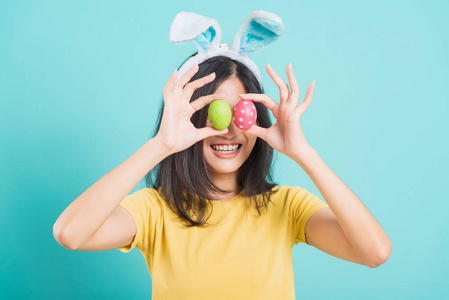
{"x":257,"y":131}
{"x":210,"y":131}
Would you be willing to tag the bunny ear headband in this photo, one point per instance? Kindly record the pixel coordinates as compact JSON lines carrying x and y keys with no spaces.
{"x":259,"y":29}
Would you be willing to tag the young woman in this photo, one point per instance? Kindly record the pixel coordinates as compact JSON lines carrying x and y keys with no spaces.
{"x":211,"y":226}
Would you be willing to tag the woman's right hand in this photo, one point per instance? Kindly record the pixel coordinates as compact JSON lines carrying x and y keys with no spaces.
{"x":176,"y":131}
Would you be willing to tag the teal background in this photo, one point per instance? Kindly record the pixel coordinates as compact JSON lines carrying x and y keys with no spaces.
{"x":81,"y":83}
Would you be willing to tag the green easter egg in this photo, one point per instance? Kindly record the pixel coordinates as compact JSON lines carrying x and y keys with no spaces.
{"x":220,"y":114}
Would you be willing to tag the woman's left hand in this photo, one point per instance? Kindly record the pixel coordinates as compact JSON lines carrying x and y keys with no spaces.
{"x":286,"y":135}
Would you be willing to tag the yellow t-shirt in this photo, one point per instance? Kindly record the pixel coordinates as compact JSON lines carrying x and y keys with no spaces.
{"x":241,"y":256}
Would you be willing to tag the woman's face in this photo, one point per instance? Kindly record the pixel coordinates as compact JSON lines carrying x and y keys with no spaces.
{"x":226,"y":163}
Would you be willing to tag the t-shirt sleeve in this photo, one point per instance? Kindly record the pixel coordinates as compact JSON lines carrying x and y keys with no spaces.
{"x":143,"y":207}
{"x":302,"y":205}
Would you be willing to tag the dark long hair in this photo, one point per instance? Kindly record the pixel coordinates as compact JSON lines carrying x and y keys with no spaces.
{"x":183,"y":176}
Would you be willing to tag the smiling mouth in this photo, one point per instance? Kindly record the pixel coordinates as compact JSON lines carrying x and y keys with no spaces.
{"x":226,"y":150}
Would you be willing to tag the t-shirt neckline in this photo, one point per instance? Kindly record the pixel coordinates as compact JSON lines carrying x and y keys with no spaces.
{"x":232,"y":199}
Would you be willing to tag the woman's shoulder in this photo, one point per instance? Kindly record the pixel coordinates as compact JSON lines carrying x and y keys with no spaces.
{"x":146,"y":191}
{"x":285,"y":188}
{"x":149,"y":194}
{"x":150,"y":190}
{"x":285,"y":192}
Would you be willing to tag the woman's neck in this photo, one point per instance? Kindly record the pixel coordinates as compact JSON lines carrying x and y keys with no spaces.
{"x":226,"y":182}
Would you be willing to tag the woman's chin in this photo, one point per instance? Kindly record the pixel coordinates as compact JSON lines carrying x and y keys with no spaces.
{"x":222,"y":169}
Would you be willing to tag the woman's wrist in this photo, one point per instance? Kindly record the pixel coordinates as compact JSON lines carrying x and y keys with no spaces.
{"x":157,"y":148}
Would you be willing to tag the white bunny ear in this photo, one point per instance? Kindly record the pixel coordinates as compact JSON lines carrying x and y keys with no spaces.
{"x":204,"y":31}
{"x":260,"y":29}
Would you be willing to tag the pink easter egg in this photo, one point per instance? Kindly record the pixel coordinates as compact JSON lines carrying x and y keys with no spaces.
{"x":244,"y":114}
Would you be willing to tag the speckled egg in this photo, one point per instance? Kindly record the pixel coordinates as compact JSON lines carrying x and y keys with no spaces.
{"x":220,"y":114}
{"x":245,"y":114}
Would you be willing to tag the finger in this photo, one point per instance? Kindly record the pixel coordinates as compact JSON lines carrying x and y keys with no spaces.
{"x":208,"y":131}
{"x":263,"y":98}
{"x":203,"y":101}
{"x":186,"y":77}
{"x":283,"y":87}
{"x":169,"y":85}
{"x":294,"y":96}
{"x":307,"y":99}
{"x":257,"y":131}
{"x":192,"y":86}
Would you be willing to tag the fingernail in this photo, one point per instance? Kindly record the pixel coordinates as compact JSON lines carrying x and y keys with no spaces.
{"x":290,"y":64}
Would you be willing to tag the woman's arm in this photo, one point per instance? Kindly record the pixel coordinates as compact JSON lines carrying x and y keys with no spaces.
{"x":81,"y":219}
{"x":370,"y":244}
{"x":85,"y":215}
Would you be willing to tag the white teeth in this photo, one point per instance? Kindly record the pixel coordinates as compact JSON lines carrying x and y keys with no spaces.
{"x":225,"y":148}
